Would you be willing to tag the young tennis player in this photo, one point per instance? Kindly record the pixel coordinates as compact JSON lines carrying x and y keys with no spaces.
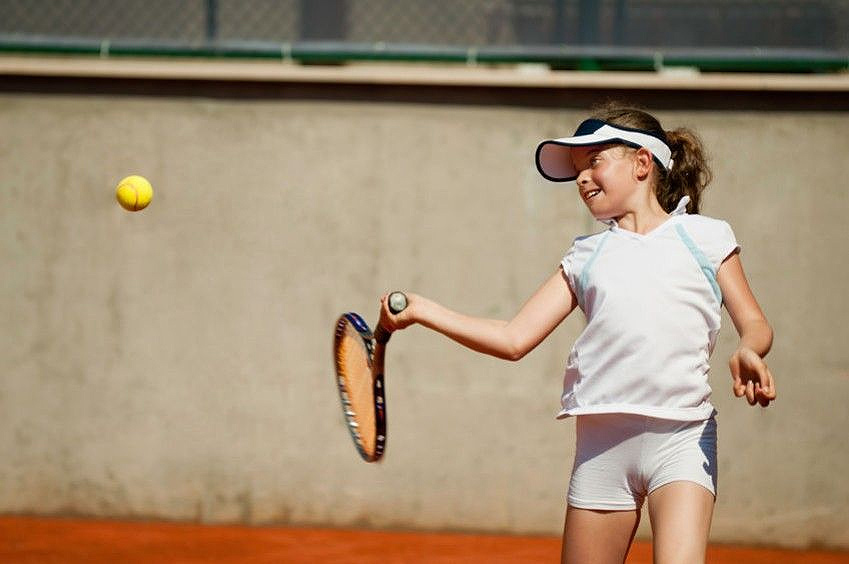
{"x":651,"y":285}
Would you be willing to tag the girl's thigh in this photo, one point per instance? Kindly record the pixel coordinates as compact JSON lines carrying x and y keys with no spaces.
{"x":680,"y":514}
{"x":598,"y":537}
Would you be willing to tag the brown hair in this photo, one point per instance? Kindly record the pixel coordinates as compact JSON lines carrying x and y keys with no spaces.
{"x":690,"y":173}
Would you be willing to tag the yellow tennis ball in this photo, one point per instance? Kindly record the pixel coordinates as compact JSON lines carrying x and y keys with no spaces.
{"x":134,"y":193}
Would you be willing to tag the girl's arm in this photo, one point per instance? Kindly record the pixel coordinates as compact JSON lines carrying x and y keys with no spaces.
{"x":510,"y":340}
{"x":749,"y":372}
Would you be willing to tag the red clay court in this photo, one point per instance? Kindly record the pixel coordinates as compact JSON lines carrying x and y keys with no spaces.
{"x":70,"y":541}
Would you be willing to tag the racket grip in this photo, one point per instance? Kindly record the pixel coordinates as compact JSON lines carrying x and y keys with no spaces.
{"x":397,"y":303}
{"x":381,"y":335}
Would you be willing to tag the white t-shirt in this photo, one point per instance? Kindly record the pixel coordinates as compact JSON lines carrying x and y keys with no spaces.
{"x":653,"y":314}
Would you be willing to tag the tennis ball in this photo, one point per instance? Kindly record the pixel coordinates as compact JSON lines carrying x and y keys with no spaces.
{"x":134,"y":193}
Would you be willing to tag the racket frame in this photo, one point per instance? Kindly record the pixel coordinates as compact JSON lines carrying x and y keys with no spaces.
{"x":374,"y":353}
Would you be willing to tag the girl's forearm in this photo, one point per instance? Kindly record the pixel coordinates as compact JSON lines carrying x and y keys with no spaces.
{"x":488,"y":336}
{"x":757,"y":336}
{"x":510,"y":340}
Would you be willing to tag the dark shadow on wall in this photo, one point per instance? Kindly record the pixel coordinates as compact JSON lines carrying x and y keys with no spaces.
{"x":579,"y":98}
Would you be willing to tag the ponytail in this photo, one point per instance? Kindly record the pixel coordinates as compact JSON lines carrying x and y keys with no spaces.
{"x":689,"y":174}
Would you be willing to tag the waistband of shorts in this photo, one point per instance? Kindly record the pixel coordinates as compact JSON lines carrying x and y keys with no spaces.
{"x":700,"y":413}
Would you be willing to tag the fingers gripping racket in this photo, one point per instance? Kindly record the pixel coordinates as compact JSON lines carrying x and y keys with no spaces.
{"x":359,"y":355}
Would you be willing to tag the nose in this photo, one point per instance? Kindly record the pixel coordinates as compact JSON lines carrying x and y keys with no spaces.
{"x":583,"y":177}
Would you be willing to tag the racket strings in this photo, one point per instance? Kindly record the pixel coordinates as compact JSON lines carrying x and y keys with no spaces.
{"x":354,"y":368}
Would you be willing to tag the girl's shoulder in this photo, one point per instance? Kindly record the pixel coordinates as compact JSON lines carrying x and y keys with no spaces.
{"x":582,"y":248}
{"x":703,"y":221}
{"x":713,"y":237}
{"x":586,"y":245}
{"x":702,"y":226}
{"x":589,"y":241}
{"x":581,"y":253}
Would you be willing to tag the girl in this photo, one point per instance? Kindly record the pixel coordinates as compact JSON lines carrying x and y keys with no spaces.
{"x":651,"y":286}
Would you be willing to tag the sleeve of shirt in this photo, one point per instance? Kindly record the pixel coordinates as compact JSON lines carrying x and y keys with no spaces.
{"x":721,"y":244}
{"x":569,"y":267}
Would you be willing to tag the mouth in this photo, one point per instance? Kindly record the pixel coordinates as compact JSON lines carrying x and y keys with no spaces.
{"x":590,"y":194}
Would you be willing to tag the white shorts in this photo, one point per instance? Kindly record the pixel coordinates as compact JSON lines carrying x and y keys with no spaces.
{"x":620,"y":458}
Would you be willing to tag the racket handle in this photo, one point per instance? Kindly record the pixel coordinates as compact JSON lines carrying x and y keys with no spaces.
{"x":397,"y":302}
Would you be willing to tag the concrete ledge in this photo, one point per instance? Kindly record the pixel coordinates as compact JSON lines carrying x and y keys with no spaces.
{"x":521,"y":76}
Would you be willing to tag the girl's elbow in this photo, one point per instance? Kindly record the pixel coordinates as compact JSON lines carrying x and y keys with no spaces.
{"x":514,"y":356}
{"x":514,"y":346}
{"x":516,"y":352}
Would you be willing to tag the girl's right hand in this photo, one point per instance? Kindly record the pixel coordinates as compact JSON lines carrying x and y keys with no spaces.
{"x":393,"y":322}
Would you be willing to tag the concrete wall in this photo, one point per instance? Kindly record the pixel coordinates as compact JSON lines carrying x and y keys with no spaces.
{"x":175,"y":363}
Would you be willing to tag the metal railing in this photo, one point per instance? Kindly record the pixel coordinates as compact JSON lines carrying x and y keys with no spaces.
{"x":729,"y":35}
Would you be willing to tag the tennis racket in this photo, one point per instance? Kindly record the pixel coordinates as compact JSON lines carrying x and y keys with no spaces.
{"x":358,"y":354}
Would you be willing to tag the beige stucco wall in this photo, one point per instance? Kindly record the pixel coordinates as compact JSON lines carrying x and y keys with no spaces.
{"x":175,"y":363}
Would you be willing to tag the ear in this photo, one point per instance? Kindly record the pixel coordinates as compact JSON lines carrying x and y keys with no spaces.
{"x":643,"y":163}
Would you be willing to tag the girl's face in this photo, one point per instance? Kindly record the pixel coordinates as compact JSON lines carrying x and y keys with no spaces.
{"x":606,"y":178}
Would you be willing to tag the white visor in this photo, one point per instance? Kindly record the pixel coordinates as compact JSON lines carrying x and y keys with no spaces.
{"x":554,"y":157}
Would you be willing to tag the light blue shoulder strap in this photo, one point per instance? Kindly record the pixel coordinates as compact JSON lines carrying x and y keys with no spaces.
{"x":704,"y":263}
{"x":585,"y":272}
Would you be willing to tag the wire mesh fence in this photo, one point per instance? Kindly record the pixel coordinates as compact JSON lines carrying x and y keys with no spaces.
{"x":802,"y":30}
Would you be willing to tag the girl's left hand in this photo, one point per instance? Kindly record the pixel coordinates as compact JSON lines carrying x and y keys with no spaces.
{"x":752,"y":377}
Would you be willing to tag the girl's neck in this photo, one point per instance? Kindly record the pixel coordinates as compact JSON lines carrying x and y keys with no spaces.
{"x":642,"y":218}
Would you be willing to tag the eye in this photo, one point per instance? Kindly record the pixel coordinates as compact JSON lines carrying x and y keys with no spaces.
{"x":594,"y":160}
